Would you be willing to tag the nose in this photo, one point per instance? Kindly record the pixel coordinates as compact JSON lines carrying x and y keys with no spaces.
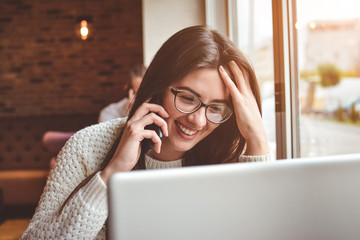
{"x":198,"y":118}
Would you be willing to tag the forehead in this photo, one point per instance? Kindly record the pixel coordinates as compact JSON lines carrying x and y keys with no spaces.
{"x":206,"y":82}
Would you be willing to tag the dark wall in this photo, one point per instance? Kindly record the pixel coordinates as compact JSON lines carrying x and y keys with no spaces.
{"x":45,"y":67}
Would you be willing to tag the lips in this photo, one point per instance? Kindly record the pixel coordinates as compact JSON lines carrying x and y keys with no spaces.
{"x":185,"y":130}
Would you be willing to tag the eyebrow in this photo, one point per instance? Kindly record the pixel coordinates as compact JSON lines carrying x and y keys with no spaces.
{"x":199,"y":96}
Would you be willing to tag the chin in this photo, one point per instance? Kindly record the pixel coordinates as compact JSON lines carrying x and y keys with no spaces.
{"x":182,"y":146}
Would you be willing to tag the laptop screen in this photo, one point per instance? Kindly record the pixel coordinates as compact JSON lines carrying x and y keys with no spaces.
{"x":314,"y":198}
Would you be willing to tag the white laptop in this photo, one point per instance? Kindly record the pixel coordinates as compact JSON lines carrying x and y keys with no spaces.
{"x":314,"y":198}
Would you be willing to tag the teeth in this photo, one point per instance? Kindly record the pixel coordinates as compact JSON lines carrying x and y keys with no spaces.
{"x":185,"y":130}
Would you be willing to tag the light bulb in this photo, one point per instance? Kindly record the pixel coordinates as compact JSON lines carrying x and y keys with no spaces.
{"x":84,"y":31}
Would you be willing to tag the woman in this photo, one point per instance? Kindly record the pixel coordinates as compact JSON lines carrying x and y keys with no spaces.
{"x":200,"y":90}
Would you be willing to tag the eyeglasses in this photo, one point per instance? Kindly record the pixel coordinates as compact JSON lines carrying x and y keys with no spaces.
{"x":187,"y":102}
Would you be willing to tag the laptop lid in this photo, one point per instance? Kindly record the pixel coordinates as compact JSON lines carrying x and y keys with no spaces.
{"x":314,"y":198}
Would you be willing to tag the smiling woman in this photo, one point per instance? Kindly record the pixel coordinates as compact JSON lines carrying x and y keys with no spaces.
{"x":200,"y":90}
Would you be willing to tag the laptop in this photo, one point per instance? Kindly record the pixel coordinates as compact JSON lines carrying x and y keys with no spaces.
{"x":308,"y":198}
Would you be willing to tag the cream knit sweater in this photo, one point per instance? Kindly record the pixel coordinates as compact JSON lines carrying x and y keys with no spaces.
{"x":84,"y":216}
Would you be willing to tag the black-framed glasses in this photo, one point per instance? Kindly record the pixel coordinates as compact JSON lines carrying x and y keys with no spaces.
{"x":187,"y":102}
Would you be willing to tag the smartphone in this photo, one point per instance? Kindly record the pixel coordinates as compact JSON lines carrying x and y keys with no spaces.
{"x":148,"y":144}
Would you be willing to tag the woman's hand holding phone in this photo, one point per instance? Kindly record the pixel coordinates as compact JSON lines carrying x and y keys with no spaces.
{"x":247,"y":113}
{"x":129,"y":148}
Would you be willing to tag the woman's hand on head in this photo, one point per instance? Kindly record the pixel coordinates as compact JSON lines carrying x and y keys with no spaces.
{"x":248,"y":117}
{"x":129,"y":148}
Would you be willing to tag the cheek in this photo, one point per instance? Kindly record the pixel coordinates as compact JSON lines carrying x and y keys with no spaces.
{"x":168,"y":105}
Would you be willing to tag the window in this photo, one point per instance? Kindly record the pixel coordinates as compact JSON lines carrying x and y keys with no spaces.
{"x":313,"y":110}
{"x":329,"y":82}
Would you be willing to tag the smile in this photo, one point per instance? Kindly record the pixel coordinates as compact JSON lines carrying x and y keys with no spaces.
{"x":185,"y":130}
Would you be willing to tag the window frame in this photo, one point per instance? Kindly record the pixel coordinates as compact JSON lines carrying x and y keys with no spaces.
{"x":286,"y":79}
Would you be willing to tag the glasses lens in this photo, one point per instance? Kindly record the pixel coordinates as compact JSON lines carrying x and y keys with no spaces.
{"x":187,"y":102}
{"x":218,"y":113}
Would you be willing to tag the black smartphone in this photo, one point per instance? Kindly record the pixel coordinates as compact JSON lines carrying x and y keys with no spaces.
{"x":148,"y":144}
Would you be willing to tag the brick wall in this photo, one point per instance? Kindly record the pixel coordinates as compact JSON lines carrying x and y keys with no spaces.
{"x":45,"y":67}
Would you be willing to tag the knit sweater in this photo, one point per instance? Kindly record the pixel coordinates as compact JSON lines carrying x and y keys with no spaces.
{"x":84,"y":215}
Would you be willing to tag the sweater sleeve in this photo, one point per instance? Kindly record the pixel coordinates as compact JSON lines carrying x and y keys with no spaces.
{"x":261,"y":158}
{"x":84,"y":214}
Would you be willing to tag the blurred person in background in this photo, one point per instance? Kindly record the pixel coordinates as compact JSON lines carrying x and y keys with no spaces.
{"x":121,"y":108}
{"x":55,"y":140}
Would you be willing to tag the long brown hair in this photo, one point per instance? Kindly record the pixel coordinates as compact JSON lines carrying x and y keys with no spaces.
{"x":187,"y":50}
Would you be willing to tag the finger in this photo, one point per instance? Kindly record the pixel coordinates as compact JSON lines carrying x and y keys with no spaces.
{"x":246,"y":76}
{"x":240,"y":78}
{"x":228,"y":82}
{"x":145,"y":108}
{"x":153,"y":118}
{"x":150,"y":134}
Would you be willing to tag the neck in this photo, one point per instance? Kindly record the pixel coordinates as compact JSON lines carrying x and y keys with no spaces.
{"x":166,"y":155}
